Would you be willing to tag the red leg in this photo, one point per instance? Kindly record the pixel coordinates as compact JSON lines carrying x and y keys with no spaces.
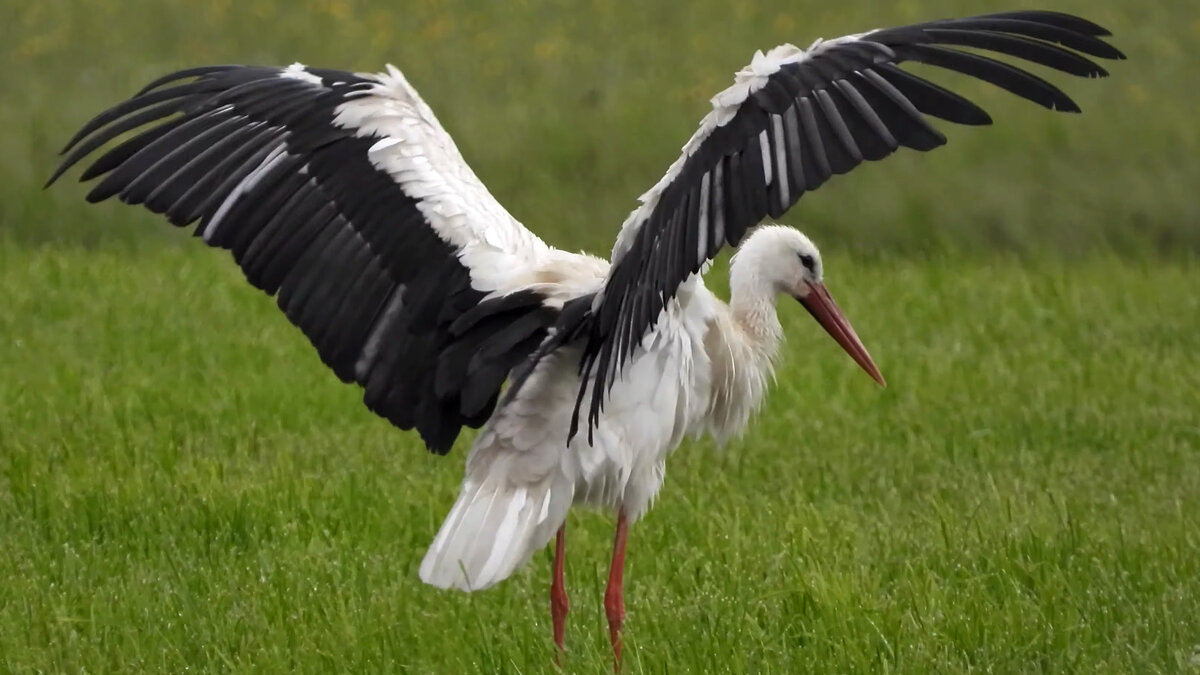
{"x":614,"y":597}
{"x":558,"y":592}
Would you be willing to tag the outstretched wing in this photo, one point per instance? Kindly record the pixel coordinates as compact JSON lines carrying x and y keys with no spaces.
{"x":341,"y":194}
{"x":792,"y":119}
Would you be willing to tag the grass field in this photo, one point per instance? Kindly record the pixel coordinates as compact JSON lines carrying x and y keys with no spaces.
{"x":184,"y":487}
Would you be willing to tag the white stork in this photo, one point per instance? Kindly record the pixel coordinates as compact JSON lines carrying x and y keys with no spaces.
{"x":342,"y":195}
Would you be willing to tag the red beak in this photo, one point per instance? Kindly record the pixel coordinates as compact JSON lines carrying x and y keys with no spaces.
{"x":820,"y":304}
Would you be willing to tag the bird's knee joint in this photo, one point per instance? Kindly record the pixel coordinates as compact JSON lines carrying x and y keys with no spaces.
{"x":614,"y":606}
{"x":560,"y":603}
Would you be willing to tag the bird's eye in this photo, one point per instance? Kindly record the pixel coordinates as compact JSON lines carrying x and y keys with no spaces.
{"x":808,"y":261}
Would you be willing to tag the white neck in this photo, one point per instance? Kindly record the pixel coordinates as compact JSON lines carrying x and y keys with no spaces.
{"x":752,"y":301}
{"x":744,"y":357}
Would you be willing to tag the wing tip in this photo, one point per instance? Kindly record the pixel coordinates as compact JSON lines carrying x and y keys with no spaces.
{"x":58,"y":172}
{"x":1073,"y":107}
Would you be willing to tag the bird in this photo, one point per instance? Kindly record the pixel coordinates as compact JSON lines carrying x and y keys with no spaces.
{"x":342,"y":196}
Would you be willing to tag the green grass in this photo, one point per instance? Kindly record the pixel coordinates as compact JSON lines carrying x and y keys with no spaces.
{"x":570,"y":110}
{"x":184,"y":487}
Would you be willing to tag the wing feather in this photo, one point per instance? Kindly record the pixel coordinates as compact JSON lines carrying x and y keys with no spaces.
{"x":792,"y":119}
{"x":343,"y":196}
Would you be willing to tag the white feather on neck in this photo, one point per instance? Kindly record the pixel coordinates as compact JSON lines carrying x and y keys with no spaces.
{"x":743,"y":341}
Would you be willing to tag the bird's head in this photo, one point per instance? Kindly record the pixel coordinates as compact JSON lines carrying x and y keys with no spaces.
{"x":777,"y":259}
{"x":780,"y":258}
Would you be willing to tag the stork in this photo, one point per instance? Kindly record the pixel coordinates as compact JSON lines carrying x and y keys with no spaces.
{"x":341,"y":195}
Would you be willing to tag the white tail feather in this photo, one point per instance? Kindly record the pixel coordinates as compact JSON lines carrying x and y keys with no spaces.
{"x":491,"y":531}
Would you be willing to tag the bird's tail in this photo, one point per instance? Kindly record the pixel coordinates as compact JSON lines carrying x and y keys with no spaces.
{"x":492,"y":530}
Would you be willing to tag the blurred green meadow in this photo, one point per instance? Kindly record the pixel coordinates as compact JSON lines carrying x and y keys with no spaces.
{"x":570,"y":110}
{"x":184,"y":487}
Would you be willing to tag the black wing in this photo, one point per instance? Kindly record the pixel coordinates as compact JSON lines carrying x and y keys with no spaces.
{"x":368,"y":251}
{"x":771,"y":138}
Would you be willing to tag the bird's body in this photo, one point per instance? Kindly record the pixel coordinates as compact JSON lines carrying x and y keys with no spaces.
{"x":342,"y":195}
{"x":703,"y":369}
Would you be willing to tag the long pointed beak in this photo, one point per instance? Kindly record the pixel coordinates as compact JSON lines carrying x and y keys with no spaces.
{"x":820,"y":304}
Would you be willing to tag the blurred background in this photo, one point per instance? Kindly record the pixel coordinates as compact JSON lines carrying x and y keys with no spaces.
{"x":570,"y":110}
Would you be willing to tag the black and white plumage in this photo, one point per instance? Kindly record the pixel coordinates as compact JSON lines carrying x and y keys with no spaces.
{"x":343,"y":196}
{"x":793,"y":119}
